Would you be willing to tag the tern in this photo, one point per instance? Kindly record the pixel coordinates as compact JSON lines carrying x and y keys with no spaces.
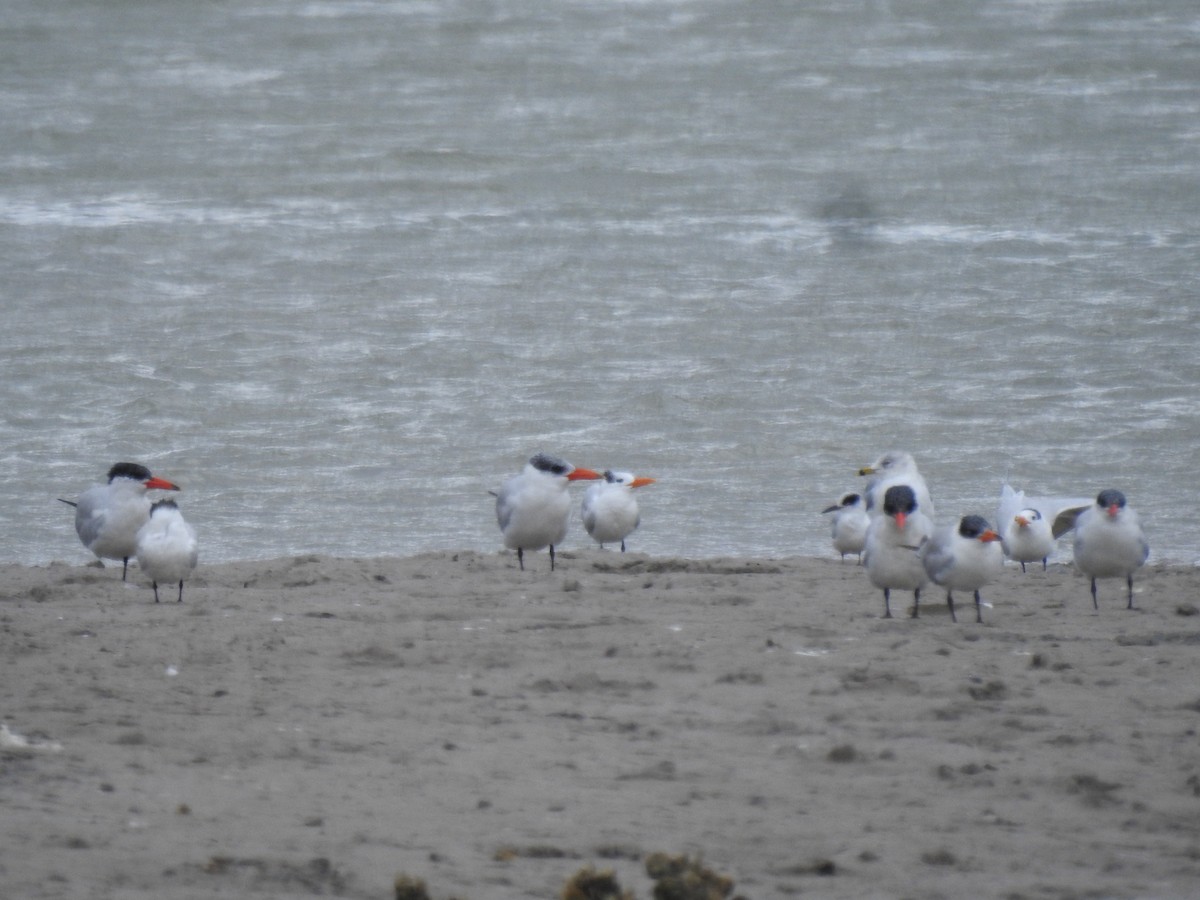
{"x":1027,"y":537}
{"x":892,"y":540}
{"x":895,"y":467}
{"x":1030,"y":526}
{"x":167,"y":549}
{"x":532,"y":508}
{"x":963,"y":557}
{"x":610,"y":509}
{"x":850,"y":521}
{"x":1109,"y":542}
{"x":108,"y":516}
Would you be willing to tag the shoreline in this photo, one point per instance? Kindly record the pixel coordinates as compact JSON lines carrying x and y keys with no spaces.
{"x":311,"y":725}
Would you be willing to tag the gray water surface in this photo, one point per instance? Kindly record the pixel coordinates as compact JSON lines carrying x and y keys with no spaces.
{"x":339,"y":267}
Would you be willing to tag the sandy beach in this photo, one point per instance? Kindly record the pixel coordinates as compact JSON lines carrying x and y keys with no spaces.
{"x":315,"y":726}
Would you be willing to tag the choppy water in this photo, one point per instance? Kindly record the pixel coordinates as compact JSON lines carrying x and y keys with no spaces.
{"x":339,"y":267}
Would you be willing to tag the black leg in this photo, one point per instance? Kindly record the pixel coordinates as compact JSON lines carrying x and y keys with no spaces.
{"x":622,"y":545}
{"x":1022,"y":568}
{"x":181,"y":591}
{"x":1043,"y":563}
{"x":1094,"y":603}
{"x":521,"y":558}
{"x":155,"y":583}
{"x":950,"y":603}
{"x":1129,"y":581}
{"x":887,"y":603}
{"x":916,"y":602}
{"x":551,"y":557}
{"x":978,"y":609}
{"x":124,"y":567}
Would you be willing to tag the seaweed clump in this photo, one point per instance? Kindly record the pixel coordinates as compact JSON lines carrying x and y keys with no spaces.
{"x":588,"y":884}
{"x":682,"y":878}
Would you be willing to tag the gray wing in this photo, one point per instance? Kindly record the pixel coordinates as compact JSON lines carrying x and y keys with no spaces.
{"x":1064,"y":515}
{"x":90,"y":517}
{"x":935,"y":554}
{"x":504,"y":506}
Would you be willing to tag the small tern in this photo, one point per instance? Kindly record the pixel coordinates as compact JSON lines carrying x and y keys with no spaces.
{"x":963,"y":557}
{"x":890,"y":555}
{"x":1109,"y":541}
{"x":1027,"y":537}
{"x":850,"y":521}
{"x":108,"y":516}
{"x":532,"y":508}
{"x":167,"y":549}
{"x":610,"y":509}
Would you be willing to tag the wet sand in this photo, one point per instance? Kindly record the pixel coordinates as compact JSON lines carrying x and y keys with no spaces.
{"x":314,"y":726}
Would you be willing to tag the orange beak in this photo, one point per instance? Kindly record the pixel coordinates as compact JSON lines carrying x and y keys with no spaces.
{"x":900,"y":518}
{"x":1021,"y":520}
{"x":161,"y":484}
{"x":641,"y":482}
{"x":1113,"y":510}
{"x":989,"y":536}
{"x":584,"y":475}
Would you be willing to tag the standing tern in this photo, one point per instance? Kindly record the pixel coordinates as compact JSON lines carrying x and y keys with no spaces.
{"x":963,"y":558}
{"x":532,"y":508}
{"x":108,"y":516}
{"x":895,"y":467}
{"x":850,"y":521}
{"x":1030,"y":526}
{"x":1027,"y":537}
{"x":1109,"y":542}
{"x":610,"y":510}
{"x":890,"y":554}
{"x":167,"y":549}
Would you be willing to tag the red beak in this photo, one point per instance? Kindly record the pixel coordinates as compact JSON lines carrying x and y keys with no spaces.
{"x":160,"y":484}
{"x":641,"y":482}
{"x":900,"y":518}
{"x":989,"y":536}
{"x":584,"y":475}
{"x":1113,"y":510}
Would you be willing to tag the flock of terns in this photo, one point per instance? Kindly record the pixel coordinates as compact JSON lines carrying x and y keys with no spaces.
{"x":889,"y":526}
{"x":891,"y":529}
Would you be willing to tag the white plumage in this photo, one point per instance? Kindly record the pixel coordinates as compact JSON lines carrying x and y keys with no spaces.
{"x":895,"y":467}
{"x":1109,"y":541}
{"x":890,"y":555}
{"x":108,"y":516}
{"x":850,"y":522}
{"x":610,"y":510}
{"x":532,"y":508}
{"x":963,"y":557}
{"x":167,"y":548}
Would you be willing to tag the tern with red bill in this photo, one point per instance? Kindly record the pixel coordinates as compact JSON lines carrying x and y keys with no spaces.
{"x":963,"y":557}
{"x":532,"y":508}
{"x":108,"y":516}
{"x":890,"y":554}
{"x":610,"y":510}
{"x":1109,"y":542}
